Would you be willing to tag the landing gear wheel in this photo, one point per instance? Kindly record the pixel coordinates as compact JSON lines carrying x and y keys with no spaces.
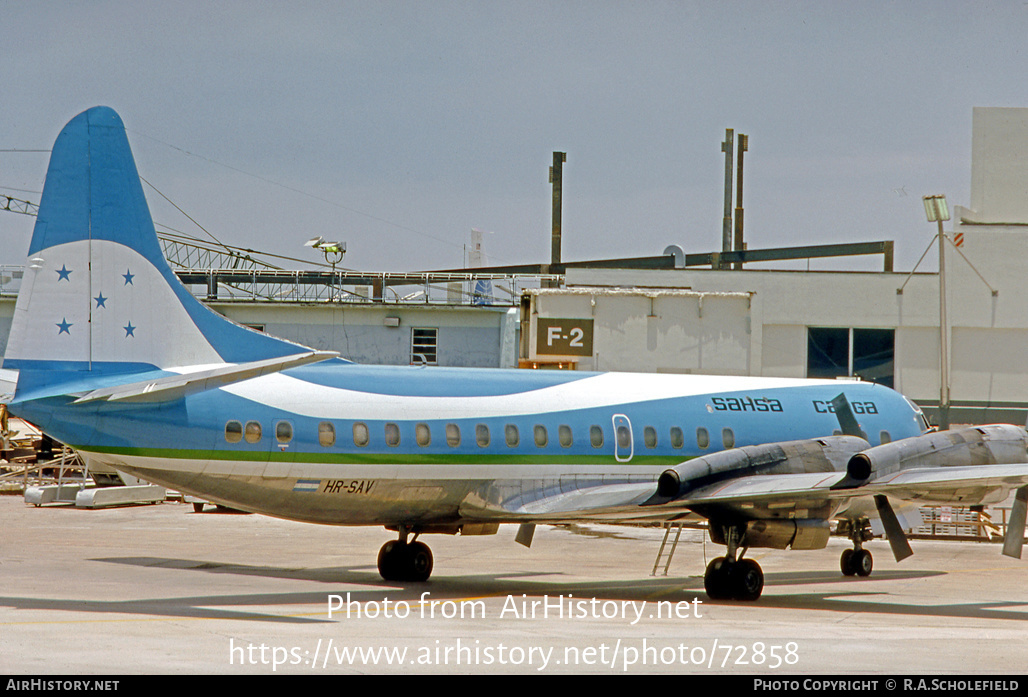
{"x":733,"y":580}
{"x":862,"y":562}
{"x":747,"y":580}
{"x":856,"y":562}
{"x":846,"y":562}
{"x":715,"y":580}
{"x":419,"y":562}
{"x":390,"y":560}
{"x":400,"y":561}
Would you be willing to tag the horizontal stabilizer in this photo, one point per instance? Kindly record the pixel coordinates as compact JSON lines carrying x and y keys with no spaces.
{"x":174,"y":387}
{"x":8,"y":382}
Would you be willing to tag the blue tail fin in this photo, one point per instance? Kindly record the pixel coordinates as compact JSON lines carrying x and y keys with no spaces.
{"x":98,"y":294}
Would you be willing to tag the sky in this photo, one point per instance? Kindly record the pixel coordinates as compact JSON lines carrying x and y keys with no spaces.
{"x":399,"y":126}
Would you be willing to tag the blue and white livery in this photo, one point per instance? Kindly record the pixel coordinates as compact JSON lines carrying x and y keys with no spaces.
{"x":116,"y":358}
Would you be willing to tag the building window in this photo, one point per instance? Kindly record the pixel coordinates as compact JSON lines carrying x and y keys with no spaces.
{"x":424,"y":345}
{"x":869,"y":354}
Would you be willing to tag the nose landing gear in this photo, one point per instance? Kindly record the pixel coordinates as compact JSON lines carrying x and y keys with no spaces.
{"x":857,"y":561}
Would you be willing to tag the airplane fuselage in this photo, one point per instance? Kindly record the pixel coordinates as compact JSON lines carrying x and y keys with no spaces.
{"x":355,"y":445}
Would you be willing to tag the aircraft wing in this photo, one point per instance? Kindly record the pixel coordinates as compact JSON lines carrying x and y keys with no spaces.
{"x":954,"y":485}
{"x":638,"y":501}
{"x":757,"y":496}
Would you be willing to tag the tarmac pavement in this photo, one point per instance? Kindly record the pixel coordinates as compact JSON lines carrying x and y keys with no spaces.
{"x":161,"y":589}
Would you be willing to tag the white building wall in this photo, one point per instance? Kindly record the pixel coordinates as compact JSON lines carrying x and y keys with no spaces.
{"x":670,"y":331}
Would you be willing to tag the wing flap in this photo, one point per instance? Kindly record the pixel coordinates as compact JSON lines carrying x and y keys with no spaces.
{"x":607,"y":502}
{"x":949,"y":484}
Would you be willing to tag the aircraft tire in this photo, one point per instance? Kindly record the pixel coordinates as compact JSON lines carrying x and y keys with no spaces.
{"x":716,"y":581}
{"x":747,"y":580}
{"x":863,"y":562}
{"x":846,"y":563}
{"x":418,"y":562}
{"x":390,"y":560}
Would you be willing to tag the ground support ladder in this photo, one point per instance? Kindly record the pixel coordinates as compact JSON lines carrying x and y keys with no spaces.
{"x":663,"y":545}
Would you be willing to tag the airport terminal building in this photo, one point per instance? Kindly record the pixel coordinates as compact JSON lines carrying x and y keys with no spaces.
{"x":880,"y":326}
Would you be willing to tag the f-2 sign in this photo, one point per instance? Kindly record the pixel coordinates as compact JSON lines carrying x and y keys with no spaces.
{"x":564,"y":337}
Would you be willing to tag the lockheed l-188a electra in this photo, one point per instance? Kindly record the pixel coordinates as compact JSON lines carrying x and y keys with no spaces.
{"x":116,"y":358}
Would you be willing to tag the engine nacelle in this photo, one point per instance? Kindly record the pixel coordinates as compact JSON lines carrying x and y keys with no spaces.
{"x":792,"y":457}
{"x":978,"y":445}
{"x":797,"y":533}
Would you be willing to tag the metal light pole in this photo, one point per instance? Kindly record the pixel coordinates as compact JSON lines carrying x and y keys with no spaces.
{"x":937,"y":211}
{"x":728,"y":148}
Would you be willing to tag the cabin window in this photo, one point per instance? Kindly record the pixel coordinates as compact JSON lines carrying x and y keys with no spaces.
{"x":392,"y":434}
{"x":650,"y":437}
{"x":728,"y":438}
{"x":885,"y":437}
{"x":452,"y":435}
{"x":596,"y":436}
{"x":702,"y":438}
{"x":564,"y":435}
{"x":233,"y":432}
{"x":511,"y":435}
{"x":361,"y":435}
{"x":283,"y":431}
{"x":482,"y":435}
{"x":422,"y":434}
{"x":624,"y":437}
{"x":326,"y":434}
{"x":541,"y":437}
{"x":252,"y":433}
{"x":677,"y":438}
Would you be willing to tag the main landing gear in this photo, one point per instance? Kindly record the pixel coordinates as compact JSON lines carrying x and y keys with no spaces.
{"x":400,"y":560}
{"x":857,"y":561}
{"x":731,"y":577}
